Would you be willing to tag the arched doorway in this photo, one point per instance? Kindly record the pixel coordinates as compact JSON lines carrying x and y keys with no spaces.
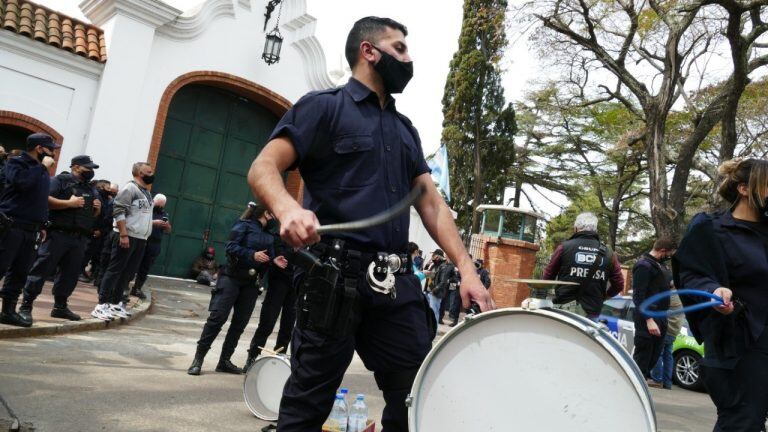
{"x":15,"y":127}
{"x":210,"y":137}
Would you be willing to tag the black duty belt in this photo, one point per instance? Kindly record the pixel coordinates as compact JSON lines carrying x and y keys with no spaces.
{"x":26,"y":226}
{"x":354,"y":261}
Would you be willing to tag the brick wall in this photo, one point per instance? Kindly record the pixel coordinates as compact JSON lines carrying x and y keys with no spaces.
{"x":508,"y":259}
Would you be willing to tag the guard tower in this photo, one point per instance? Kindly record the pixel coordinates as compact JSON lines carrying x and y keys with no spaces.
{"x":507,"y":245}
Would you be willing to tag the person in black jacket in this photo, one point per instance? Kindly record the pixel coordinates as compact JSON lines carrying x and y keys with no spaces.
{"x":726,"y":253}
{"x":280,"y":300}
{"x":651,"y":276}
{"x":249,"y":251}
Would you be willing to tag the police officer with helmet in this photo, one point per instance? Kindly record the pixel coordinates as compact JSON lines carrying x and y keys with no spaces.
{"x":74,"y":205}
{"x":358,"y":157}
{"x":23,"y":215}
{"x":249,"y":253}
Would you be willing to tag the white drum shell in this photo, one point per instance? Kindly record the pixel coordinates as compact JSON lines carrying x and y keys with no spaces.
{"x":543,"y":370}
{"x":263,"y":386}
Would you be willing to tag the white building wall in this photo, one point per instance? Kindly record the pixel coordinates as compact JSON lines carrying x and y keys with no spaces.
{"x":51,"y":85}
{"x":221,"y":36}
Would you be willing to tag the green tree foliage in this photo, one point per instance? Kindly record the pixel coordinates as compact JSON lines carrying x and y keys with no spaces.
{"x":478,"y":126}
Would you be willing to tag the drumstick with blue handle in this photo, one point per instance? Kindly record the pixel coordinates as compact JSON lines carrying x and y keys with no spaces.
{"x":717,"y":301}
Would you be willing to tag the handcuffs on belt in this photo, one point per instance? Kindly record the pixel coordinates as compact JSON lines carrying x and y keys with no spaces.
{"x":381,"y":273}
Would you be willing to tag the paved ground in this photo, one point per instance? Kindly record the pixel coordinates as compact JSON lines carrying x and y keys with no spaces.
{"x":133,"y":377}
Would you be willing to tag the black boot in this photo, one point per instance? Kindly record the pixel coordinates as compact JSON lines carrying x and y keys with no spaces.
{"x":61,"y":310}
{"x":197,"y":363}
{"x":10,"y":317}
{"x":248,"y":363}
{"x":25,"y":310}
{"x":226,"y":366}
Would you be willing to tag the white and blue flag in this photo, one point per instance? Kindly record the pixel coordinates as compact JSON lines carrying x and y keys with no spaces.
{"x":438,"y":163}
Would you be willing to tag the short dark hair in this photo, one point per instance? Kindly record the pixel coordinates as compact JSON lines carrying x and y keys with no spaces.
{"x":411,"y":248}
{"x":664,"y":243}
{"x":367,"y":28}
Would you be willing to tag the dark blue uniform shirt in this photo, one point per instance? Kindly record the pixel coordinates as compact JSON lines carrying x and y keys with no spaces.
{"x":104,"y":222}
{"x":246,"y":238}
{"x":356,"y":160}
{"x":25,"y":197}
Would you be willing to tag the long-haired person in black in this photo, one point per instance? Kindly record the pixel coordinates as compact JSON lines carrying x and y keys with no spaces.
{"x":249,"y":254}
{"x":726,"y":253}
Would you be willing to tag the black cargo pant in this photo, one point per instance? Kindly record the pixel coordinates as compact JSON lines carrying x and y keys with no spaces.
{"x":393,"y":338}
{"x":104,"y":254}
{"x":229,"y":294}
{"x":62,"y":250}
{"x":93,"y":253}
{"x":17,"y":253}
{"x":151,"y":253}
{"x":648,"y":347}
{"x":123,"y":263}
{"x":280,"y":300}
{"x":741,"y":394}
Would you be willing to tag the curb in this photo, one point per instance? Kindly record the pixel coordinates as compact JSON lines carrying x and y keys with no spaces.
{"x":90,"y":324}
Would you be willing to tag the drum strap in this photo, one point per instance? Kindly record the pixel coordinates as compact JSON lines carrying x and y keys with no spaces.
{"x":396,"y":380}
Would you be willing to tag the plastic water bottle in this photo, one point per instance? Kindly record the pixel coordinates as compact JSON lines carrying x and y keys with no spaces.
{"x":358,"y":415}
{"x":345,"y":392}
{"x":337,"y":422}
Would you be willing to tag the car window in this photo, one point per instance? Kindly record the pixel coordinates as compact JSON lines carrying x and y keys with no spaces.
{"x":613,"y":308}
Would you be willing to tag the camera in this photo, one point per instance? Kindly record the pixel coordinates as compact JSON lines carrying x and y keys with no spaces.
{"x":165,"y":218}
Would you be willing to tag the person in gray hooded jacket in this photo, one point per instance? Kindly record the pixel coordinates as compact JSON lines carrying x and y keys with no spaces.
{"x":133,"y":225}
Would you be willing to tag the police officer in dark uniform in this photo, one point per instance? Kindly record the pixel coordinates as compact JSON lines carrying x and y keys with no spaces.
{"x":74,"y":205}
{"x":584,"y":259}
{"x":249,"y":253}
{"x":23,"y":214}
{"x":358,"y":156}
{"x":280,"y":300}
{"x":160,"y":226}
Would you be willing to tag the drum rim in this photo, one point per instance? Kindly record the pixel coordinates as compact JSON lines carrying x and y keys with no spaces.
{"x":248,"y":404}
{"x":605,"y":341}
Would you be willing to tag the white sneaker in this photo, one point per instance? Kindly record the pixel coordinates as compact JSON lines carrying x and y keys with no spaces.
{"x":101,"y":311}
{"x":117,"y":311}
{"x":125,"y":309}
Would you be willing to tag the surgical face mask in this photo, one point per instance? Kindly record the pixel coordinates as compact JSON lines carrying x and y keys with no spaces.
{"x":394,"y":73}
{"x":148,"y":179}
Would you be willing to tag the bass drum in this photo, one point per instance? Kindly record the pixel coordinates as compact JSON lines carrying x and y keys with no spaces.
{"x":542,"y":370}
{"x":263,"y":387}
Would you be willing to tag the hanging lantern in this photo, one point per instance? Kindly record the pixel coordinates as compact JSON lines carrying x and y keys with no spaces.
{"x":272,"y":46}
{"x":274,"y":40}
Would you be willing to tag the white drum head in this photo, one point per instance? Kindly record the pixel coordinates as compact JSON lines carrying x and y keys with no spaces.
{"x":513,"y":369}
{"x":264,"y":384}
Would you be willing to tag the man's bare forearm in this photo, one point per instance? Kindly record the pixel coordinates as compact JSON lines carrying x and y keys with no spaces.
{"x":121,"y":228}
{"x":267,"y":184}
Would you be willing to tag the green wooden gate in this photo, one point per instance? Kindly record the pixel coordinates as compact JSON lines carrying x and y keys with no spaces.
{"x":211,"y":136}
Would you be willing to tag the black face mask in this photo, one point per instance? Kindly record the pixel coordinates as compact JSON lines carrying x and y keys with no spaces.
{"x":148,"y":179}
{"x":394,"y":73}
{"x":3,"y":157}
{"x":42,"y":155}
{"x":158,"y":209}
{"x":272,"y":226}
{"x":208,"y":256}
{"x":87,"y":175}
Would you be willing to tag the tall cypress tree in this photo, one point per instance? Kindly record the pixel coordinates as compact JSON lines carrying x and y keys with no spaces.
{"x":478,"y":125}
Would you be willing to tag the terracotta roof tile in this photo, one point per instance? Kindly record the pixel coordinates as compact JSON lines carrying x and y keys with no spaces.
{"x":53,"y":28}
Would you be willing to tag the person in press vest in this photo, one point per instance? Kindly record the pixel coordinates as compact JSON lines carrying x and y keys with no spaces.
{"x":586,"y":260}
